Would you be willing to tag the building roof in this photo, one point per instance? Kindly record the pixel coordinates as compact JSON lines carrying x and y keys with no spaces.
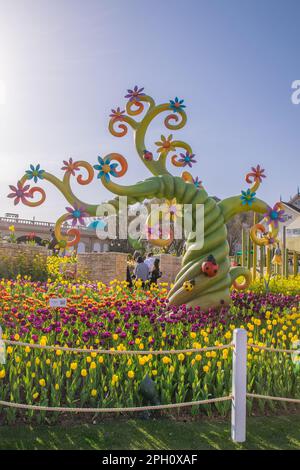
{"x":291,"y":206}
{"x":295,"y":224}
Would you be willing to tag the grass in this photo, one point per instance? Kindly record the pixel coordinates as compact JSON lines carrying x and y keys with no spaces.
{"x":274,"y":433}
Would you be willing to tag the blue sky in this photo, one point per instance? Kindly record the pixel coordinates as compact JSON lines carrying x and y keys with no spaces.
{"x":65,"y":63}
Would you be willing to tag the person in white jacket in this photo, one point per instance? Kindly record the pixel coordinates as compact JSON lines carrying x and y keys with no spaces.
{"x":150,"y":261}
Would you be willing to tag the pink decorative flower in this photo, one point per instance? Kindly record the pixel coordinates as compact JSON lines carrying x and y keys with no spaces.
{"x":257,"y":173}
{"x":70,"y":166}
{"x":19,"y":193}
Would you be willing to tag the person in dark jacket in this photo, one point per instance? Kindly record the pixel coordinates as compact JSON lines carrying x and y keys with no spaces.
{"x":155,"y":273}
{"x":129,"y":278}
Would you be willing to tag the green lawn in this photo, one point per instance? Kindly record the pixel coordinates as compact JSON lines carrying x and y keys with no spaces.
{"x":279,"y":432}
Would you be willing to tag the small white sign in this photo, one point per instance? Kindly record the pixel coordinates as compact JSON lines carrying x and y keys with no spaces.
{"x":2,"y":352}
{"x":56,"y":303}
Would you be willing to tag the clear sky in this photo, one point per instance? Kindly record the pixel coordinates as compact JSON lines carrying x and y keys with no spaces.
{"x":65,"y":63}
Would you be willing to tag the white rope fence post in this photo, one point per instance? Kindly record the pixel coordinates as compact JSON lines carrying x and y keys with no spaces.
{"x":239,"y":385}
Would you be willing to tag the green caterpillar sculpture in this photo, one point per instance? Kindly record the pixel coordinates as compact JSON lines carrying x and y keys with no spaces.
{"x":206,"y":276}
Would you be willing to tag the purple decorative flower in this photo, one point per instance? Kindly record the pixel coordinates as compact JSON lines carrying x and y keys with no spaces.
{"x":135,"y":94}
{"x":274,"y":215}
{"x":19,"y":193}
{"x":77,"y":214}
{"x":187,"y":159}
{"x":117,"y":114}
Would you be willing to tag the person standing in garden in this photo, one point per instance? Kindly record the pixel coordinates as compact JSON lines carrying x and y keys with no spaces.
{"x":141,"y":270}
{"x":150,"y":261}
{"x":155,"y":273}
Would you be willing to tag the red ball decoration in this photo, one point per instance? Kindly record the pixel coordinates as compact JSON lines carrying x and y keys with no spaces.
{"x":148,"y":155}
{"x":209,"y":267}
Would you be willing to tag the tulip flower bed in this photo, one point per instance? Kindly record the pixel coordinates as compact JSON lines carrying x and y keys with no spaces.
{"x":115,"y":318}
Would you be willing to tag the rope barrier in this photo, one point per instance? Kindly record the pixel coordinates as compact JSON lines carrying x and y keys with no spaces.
{"x":113,"y":410}
{"x":266,"y":397}
{"x":115,"y":352}
{"x":276,"y":350}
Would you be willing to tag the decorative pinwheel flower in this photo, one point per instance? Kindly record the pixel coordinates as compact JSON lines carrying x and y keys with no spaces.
{"x":70,"y":166}
{"x":187,"y":159}
{"x":106,"y":168}
{"x":135,"y":94}
{"x":257,"y":173}
{"x":165,"y":144}
{"x":77,"y":214}
{"x":248,"y":197}
{"x":197,"y":182}
{"x":35,"y":173}
{"x":274,"y":216}
{"x":177,"y":105}
{"x":19,"y":193}
{"x":117,"y":114}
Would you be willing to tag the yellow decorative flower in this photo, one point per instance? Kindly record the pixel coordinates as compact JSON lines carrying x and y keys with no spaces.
{"x":165,"y":144}
{"x":130,"y":374}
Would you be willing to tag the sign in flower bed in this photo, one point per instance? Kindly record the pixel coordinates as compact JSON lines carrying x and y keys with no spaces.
{"x":115,"y":318}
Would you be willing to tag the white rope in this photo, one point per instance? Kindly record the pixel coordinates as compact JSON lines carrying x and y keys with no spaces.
{"x":276,"y":350}
{"x":115,"y":352}
{"x":113,"y":410}
{"x":266,"y":397}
